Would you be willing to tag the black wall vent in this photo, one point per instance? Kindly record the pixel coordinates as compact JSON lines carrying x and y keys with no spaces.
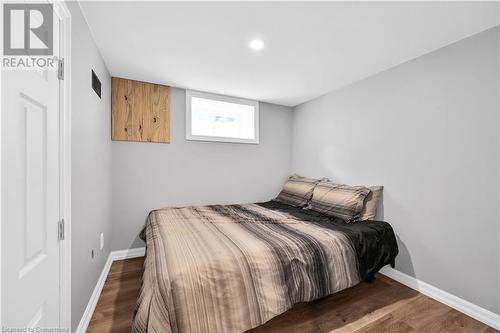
{"x":96,"y":84}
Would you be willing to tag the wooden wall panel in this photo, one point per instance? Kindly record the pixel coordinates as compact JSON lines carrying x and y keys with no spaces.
{"x":140,"y":111}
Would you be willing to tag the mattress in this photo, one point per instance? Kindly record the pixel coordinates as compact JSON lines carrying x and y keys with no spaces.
{"x":229,"y":268}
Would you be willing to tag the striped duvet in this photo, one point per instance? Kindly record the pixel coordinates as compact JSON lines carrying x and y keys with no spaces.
{"x":232,"y":268}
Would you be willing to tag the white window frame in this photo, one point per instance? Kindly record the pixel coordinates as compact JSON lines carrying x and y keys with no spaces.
{"x":222,"y":98}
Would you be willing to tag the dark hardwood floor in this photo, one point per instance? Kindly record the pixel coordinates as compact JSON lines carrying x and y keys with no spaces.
{"x":381,"y":306}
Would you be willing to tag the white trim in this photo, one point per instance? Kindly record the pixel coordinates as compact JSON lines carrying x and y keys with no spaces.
{"x":1,"y":186}
{"x":485,"y":316}
{"x":62,"y":11}
{"x":113,"y":256}
{"x":472,"y":310}
{"x":89,"y":310}
{"x":128,"y":254}
{"x":229,"y":99}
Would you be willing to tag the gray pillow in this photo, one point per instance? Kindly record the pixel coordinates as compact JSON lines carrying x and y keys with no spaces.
{"x":372,"y":202}
{"x":297,"y":191}
{"x":339,"y":200}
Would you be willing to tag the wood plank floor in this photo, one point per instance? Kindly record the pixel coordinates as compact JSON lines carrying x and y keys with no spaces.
{"x":381,"y":306}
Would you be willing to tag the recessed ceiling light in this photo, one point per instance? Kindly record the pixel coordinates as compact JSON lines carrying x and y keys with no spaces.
{"x":256,"y":44}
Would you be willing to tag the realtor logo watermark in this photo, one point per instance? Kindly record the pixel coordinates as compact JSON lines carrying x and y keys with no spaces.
{"x":28,"y":38}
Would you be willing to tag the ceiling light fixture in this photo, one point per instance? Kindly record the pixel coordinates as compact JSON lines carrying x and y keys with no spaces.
{"x":256,"y":44}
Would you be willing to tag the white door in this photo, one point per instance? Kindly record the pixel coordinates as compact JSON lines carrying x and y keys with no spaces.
{"x":30,"y":197}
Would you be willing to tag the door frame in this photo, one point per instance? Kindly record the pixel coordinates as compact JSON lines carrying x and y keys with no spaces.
{"x":64,"y":163}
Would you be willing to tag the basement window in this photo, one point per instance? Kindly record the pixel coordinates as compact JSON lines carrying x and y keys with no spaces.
{"x":211,"y":117}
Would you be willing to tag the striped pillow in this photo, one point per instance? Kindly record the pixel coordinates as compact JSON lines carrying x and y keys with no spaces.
{"x":342,"y":201}
{"x":297,"y":191}
{"x":372,"y":202}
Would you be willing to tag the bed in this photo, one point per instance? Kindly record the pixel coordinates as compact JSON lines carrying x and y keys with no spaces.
{"x":229,"y":268}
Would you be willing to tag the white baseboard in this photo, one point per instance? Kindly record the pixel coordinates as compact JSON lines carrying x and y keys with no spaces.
{"x":128,"y":254}
{"x":89,"y":310}
{"x":472,"y":310}
{"x":113,"y":256}
{"x":485,"y":316}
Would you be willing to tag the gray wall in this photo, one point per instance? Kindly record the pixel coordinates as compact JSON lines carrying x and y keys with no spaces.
{"x":429,"y":131}
{"x":91,"y":165}
{"x":149,"y":175}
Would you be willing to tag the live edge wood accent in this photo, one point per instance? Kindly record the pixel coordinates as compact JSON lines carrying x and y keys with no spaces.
{"x":140,"y":111}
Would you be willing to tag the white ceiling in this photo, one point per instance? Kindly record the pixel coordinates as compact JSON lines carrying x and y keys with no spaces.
{"x":311,"y":48}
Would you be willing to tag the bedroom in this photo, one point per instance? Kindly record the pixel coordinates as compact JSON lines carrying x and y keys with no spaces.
{"x":265,"y":166}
